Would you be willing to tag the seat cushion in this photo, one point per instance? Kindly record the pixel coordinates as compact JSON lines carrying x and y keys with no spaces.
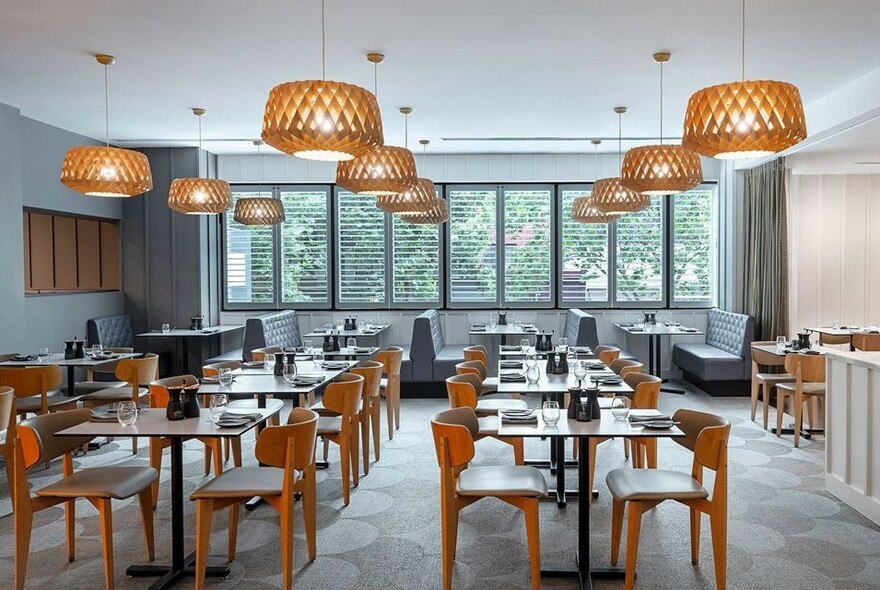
{"x":807,"y":388}
{"x":243,"y":405}
{"x":55,"y":399}
{"x":231,"y":355}
{"x":495,"y":404}
{"x":488,"y":425}
{"x":443,"y":365}
{"x":319,"y":408}
{"x":84,"y":387}
{"x":115,"y":394}
{"x":774,"y":378}
{"x":490,"y":384}
{"x":512,"y":480}
{"x":653,"y":484}
{"x":102,"y":482}
{"x":707,"y":362}
{"x":329,"y":425}
{"x":243,"y":482}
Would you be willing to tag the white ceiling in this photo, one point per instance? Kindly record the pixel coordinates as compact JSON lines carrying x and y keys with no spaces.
{"x":469,"y":68}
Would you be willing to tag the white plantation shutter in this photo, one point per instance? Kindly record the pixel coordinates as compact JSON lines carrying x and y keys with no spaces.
{"x":584,"y":262}
{"x":360,"y":249}
{"x":527,"y":250}
{"x":304,"y":272}
{"x":415,"y":262}
{"x":250,"y":262}
{"x":472,"y":245}
{"x":694,"y":246}
{"x":640,"y":255}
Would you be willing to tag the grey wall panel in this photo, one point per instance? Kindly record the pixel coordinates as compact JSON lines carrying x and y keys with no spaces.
{"x":11,"y":238}
{"x":52,"y":319}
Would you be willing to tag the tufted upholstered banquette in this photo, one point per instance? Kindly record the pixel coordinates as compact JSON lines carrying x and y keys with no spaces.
{"x":726,"y":355}
{"x":580,"y":328}
{"x":432,"y":359}
{"x":273,"y":329}
{"x":112,"y":331}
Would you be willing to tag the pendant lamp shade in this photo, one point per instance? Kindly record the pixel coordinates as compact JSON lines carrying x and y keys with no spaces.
{"x":103,"y":171}
{"x":609,"y":196}
{"x":387,"y":170}
{"x":583,"y":211}
{"x":747,"y":119}
{"x":199,"y":196}
{"x":436,"y":215}
{"x":322,"y":120}
{"x":259,"y":211}
{"x":418,"y":198}
{"x":660,"y":169}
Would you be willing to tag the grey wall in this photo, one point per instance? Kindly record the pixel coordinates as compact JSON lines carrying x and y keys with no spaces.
{"x":11,"y":253}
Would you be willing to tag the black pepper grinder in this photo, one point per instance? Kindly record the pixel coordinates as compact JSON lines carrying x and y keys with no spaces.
{"x":574,"y":398}
{"x":593,"y":395}
{"x":68,"y":349}
{"x":174,"y":410}
{"x":335,"y":342}
{"x":79,"y":349}
{"x":279,"y":364}
{"x":328,"y":343}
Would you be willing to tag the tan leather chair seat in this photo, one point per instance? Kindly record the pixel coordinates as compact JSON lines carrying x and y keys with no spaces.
{"x":329,"y":425}
{"x":84,"y":387}
{"x":102,"y":482}
{"x":251,"y":404}
{"x":115,"y":394}
{"x":319,"y":409}
{"x":54,"y":398}
{"x":243,"y":481}
{"x":808,"y":388}
{"x":775,"y":378}
{"x":488,"y":425}
{"x":493,"y":405}
{"x":651,"y":484}
{"x":502,"y":481}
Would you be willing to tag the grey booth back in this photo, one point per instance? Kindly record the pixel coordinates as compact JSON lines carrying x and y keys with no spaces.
{"x":112,"y":331}
{"x":427,"y":342}
{"x":731,"y":332}
{"x":273,"y":329}
{"x":580,"y":328}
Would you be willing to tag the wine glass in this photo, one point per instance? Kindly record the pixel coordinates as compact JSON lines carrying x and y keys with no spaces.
{"x":43,"y":354}
{"x":563,"y":343}
{"x":531,"y":360}
{"x":219,"y":403}
{"x":166,"y":328}
{"x":580,"y":371}
{"x":318,"y":356}
{"x":533,"y":374}
{"x":524,"y":344}
{"x":550,"y":413}
{"x":97,"y":349}
{"x":224,"y":377}
{"x":620,"y":407}
{"x":493,"y":322}
{"x":289,"y":372}
{"x":351,"y":343}
{"x":780,"y":344}
{"x":127,"y":413}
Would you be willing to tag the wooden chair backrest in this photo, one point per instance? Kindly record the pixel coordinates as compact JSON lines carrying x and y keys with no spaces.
{"x":625,"y":366}
{"x":809,"y":368}
{"x":607,"y":353}
{"x":259,"y":354}
{"x":38,"y":441}
{"x":706,"y":435}
{"x":138,"y":371}
{"x":475,"y":367}
{"x":341,"y":396}
{"x":825,"y":339}
{"x":159,"y":395}
{"x":273,"y":442}
{"x":28,"y":381}
{"x":646,"y":390}
{"x":477,"y":352}
{"x":463,"y":389}
{"x":371,"y":371}
{"x":7,"y":417}
{"x":392,"y":358}
{"x":762,"y":357}
{"x":213,"y":369}
{"x":866,"y":342}
{"x":454,"y":432}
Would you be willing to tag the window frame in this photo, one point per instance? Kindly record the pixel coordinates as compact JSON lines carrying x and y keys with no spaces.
{"x":441,"y":268}
{"x":715,"y":256}
{"x":610,"y":240}
{"x":279,"y":249}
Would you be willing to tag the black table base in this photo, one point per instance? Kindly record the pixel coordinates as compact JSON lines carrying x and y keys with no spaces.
{"x":806,"y":433}
{"x":168,"y":576}
{"x":654,"y":362}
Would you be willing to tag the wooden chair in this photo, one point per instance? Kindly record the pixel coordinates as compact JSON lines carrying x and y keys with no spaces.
{"x":866,"y":342}
{"x":460,"y":486}
{"x":342,"y":397}
{"x":260,"y":354}
{"x":478,"y":353}
{"x":625,"y":366}
{"x":134,"y":372}
{"x":463,"y":394}
{"x":706,"y":436}
{"x":213,"y":446}
{"x":108,"y":368}
{"x":763,"y":384}
{"x":392,"y":358}
{"x":478,"y":368}
{"x":484,"y":406}
{"x":808,"y":371}
{"x":36,"y":442}
{"x":288,"y":455}
{"x":607,"y":353}
{"x":7,"y":423}
{"x":36,"y":390}
{"x":824,"y":340}
{"x":371,"y":401}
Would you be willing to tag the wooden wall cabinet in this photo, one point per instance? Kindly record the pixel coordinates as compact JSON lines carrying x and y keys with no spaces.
{"x":64,"y":253}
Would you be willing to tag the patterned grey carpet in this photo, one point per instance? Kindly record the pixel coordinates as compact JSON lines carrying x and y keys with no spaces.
{"x":784,"y":530}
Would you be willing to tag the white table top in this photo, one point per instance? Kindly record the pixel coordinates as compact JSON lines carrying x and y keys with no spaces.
{"x":605,"y":426}
{"x":153,"y":423}
{"x":263,"y":381}
{"x":59,"y":360}
{"x":507,"y":330}
{"x":841,"y":331}
{"x":583,"y":352}
{"x":771,"y":348}
{"x":659,"y":330}
{"x":187,"y":333}
{"x":557,"y":383}
{"x":375,"y":331}
{"x":345,"y":351}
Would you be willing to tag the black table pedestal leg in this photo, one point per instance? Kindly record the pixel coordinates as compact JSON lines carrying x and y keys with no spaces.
{"x":658,"y":365}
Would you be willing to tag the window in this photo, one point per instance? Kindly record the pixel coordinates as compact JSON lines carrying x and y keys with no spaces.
{"x":250,"y":263}
{"x":527,"y":249}
{"x":640,"y":255}
{"x":473,"y":247}
{"x":584,"y":262}
{"x":361,"y":250}
{"x":694,"y":248}
{"x":304,"y":277}
{"x":415,"y":262}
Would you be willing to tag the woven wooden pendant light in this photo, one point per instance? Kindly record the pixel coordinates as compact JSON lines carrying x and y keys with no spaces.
{"x":583,"y":211}
{"x":418,"y":198}
{"x":387,"y":170}
{"x":611,"y":197}
{"x":744,"y":119}
{"x":104,"y":171}
{"x":322,"y":119}
{"x":437,"y":214}
{"x":661,"y":169}
{"x":199,"y":196}
{"x":259,"y":210}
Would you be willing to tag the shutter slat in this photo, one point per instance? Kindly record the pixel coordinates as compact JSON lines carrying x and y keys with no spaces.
{"x":640,"y":254}
{"x":527,"y":266}
{"x":250,"y":265}
{"x":361,"y":249}
{"x":584,"y":271}
{"x":304,"y":247}
{"x":472,"y":253}
{"x":694,"y":246}
{"x":416,"y":250}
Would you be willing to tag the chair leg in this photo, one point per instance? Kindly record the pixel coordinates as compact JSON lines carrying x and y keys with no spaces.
{"x":798,"y":417}
{"x":232,"y":538}
{"x":145,"y":500}
{"x":23,"y":521}
{"x":766,"y":403}
{"x":204,"y":512}
{"x":594,"y":444}
{"x":105,"y":513}
{"x":236,"y":452}
{"x":718,"y":525}
{"x":226,"y":446}
{"x":780,"y":410}
{"x":518,"y":451}
{"x":695,"y":535}
{"x":448,"y":538}
{"x":618,"y":507}
{"x":636,"y":454}
{"x":326,"y":448}
{"x":626,"y":446}
{"x":309,"y":507}
{"x":207,"y":460}
{"x":70,"y":528}
{"x":633,"y":529}
{"x":389,"y":409}
{"x":345,"y":465}
{"x":376,"y":425}
{"x":651,"y":453}
{"x":365,"y":439}
{"x":533,"y":536}
{"x":134,"y":445}
{"x":286,"y":514}
{"x":217,"y":453}
{"x":756,"y":385}
{"x":354,"y":455}
{"x":156,"y":463}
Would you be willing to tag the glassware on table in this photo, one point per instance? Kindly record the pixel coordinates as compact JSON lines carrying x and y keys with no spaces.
{"x":127,"y":413}
{"x":580,"y":371}
{"x":289,"y":372}
{"x":96,"y":349}
{"x":369,"y":323}
{"x":550,"y":413}
{"x":493,"y":322}
{"x":219,"y":403}
{"x":781,"y":343}
{"x":166,"y":328}
{"x":563,"y":343}
{"x":525,"y":344}
{"x":43,"y":354}
{"x":318,"y":356}
{"x":620,"y":407}
{"x":836,"y":326}
{"x":224,"y":377}
{"x":307,"y":346}
{"x":533,"y":374}
{"x":351,"y":342}
{"x":517,"y":325}
{"x":531,"y":360}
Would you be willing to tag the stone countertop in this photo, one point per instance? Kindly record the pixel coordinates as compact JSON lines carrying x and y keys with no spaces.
{"x":869,"y":360}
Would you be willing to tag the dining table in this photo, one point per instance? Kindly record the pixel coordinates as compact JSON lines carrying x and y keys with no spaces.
{"x":71,"y":364}
{"x":654,"y":332}
{"x":154,"y":424}
{"x":503,"y":331}
{"x":606,"y":426}
{"x":374,"y":333}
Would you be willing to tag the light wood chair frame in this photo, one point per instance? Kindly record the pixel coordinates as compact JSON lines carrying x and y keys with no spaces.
{"x":342,"y":398}
{"x":392,"y":358}
{"x":463,"y":395}
{"x":806,"y":368}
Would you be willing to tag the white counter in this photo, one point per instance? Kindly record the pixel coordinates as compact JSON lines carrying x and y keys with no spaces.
{"x":852,"y":430}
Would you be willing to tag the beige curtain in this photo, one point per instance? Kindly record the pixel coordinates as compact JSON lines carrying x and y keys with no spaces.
{"x":766,"y":256}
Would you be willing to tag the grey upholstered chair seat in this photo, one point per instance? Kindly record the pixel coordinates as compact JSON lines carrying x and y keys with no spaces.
{"x":54,"y":399}
{"x":808,"y":388}
{"x":502,"y":481}
{"x":707,"y":362}
{"x":774,"y":378}
{"x":493,"y":405}
{"x":115,"y":394}
{"x":329,"y":425}
{"x":653,"y":484}
{"x":243,"y":481}
{"x":102,"y":482}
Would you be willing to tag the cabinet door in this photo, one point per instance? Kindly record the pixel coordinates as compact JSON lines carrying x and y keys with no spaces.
{"x":42,"y":252}
{"x":88,"y":254}
{"x":110,"y":256}
{"x":64,"y":229}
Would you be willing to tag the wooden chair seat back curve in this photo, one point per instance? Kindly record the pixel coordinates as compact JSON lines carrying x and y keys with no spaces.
{"x":138,"y":371}
{"x":40,"y":444}
{"x":607,"y":353}
{"x":646,"y":390}
{"x":866,"y":342}
{"x":624,"y":366}
{"x":463,"y":389}
{"x":259,"y":354}
{"x":807,"y":368}
{"x":273,"y":442}
{"x":7,"y":396}
{"x":159,"y":395}
{"x":213,"y":369}
{"x":475,"y":367}
{"x":371,"y":371}
{"x":477,"y":352}
{"x":28,"y":381}
{"x":392,"y":358}
{"x":454,"y":431}
{"x":826,"y":339}
{"x":706,"y":436}
{"x":342,"y":396}
{"x":764,"y":358}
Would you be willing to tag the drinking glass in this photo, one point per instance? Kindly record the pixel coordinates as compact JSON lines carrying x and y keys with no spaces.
{"x":836,"y":325}
{"x":166,"y":328}
{"x":127,"y":413}
{"x":318,"y":356}
{"x":780,"y":343}
{"x":580,"y":371}
{"x":524,"y":345}
{"x":493,"y":323}
{"x":289,"y":372}
{"x":563,"y":343}
{"x":368,"y":323}
{"x":43,"y":354}
{"x":533,"y":374}
{"x":307,"y":346}
{"x":97,"y":349}
{"x":517,"y":325}
{"x":550,"y":412}
{"x":219,"y":403}
{"x":351,"y":342}
{"x":224,"y":376}
{"x":620,"y":407}
{"x":531,"y":360}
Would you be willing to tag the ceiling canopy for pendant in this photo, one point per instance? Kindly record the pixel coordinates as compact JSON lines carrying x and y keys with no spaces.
{"x":322,"y":119}
{"x":744,"y":119}
{"x":259,"y":210}
{"x":104,"y":171}
{"x":611,"y":197}
{"x":583,"y":211}
{"x":661,"y":169}
{"x":199,"y":196}
{"x":437,"y":214}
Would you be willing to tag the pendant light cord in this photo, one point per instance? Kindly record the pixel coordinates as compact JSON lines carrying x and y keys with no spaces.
{"x":743,"y":48}
{"x":106,"y":106}
{"x":596,"y":159}
{"x":619,"y":142}
{"x":406,"y":130}
{"x":376,"y":80}
{"x":260,"y":160}
{"x":323,"y":43}
{"x":661,"y":103}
